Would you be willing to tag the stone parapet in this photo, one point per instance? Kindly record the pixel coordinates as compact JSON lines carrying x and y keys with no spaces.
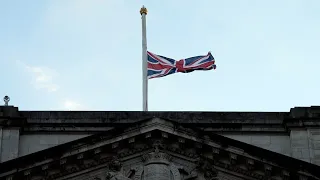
{"x":303,"y":117}
{"x":10,"y":116}
{"x":302,"y":112}
{"x":275,"y":122}
{"x":208,"y":121}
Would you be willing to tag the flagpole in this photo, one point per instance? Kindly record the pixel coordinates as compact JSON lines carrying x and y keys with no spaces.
{"x":143,"y":12}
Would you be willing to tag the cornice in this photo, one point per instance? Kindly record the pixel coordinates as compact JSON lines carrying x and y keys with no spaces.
{"x":100,"y":121}
{"x":216,"y":122}
{"x":124,"y":117}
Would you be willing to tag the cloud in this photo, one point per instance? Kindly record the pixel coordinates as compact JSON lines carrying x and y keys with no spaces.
{"x":72,"y":32}
{"x":72,"y":105}
{"x":42,"y":78}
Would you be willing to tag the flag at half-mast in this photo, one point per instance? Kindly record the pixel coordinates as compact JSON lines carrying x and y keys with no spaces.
{"x":159,"y":66}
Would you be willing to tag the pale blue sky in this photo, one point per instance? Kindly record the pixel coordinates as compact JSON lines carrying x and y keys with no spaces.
{"x":86,"y":54}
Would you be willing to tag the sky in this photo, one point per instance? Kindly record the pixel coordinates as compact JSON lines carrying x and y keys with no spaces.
{"x":86,"y":54}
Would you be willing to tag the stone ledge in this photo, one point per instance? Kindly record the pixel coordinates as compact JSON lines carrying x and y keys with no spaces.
{"x":44,"y":117}
{"x":217,"y":121}
{"x":302,"y":122}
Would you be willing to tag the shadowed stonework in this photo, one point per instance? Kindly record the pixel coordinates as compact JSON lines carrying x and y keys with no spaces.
{"x":159,"y":145}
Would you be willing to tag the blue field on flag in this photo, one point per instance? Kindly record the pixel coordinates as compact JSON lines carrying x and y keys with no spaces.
{"x":159,"y":66}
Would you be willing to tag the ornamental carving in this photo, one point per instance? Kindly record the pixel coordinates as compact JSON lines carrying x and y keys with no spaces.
{"x":115,"y":170}
{"x":157,"y":165}
{"x":210,"y":173}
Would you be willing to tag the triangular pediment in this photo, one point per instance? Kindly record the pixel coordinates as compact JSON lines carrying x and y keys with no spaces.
{"x":189,"y":152}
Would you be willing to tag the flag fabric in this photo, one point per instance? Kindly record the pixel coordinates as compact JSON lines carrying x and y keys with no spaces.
{"x":159,"y":66}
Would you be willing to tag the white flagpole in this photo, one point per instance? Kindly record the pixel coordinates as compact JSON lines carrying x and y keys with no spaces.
{"x":143,"y":12}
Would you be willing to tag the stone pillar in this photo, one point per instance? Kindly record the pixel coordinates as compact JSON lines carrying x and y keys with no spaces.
{"x":0,"y":143}
{"x":300,"y":147}
{"x":314,"y":144}
{"x":304,"y":126}
{"x":10,"y":125}
{"x":10,"y":143}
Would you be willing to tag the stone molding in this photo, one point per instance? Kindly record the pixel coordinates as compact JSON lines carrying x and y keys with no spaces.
{"x":101,"y":121}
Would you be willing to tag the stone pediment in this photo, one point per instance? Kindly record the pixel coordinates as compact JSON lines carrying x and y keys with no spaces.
{"x":157,"y":149}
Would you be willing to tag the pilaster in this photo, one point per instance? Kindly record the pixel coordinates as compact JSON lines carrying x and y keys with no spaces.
{"x":304,"y":126}
{"x":0,"y":143}
{"x":10,"y":125}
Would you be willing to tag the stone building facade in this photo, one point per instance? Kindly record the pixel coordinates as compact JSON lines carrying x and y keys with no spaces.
{"x":105,"y":145}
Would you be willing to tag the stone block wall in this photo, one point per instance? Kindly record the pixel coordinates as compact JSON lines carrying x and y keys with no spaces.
{"x":303,"y":144}
{"x":300,"y":146}
{"x":13,"y":145}
{"x":9,"y":143}
{"x":275,"y":143}
{"x":314,"y":145}
{"x":36,"y":142}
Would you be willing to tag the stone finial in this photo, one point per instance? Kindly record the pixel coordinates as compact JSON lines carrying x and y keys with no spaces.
{"x":6,"y":100}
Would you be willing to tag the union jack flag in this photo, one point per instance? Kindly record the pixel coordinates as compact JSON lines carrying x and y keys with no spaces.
{"x":159,"y":66}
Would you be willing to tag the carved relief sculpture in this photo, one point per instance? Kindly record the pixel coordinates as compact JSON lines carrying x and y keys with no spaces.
{"x":157,"y":166}
{"x":209,"y":172}
{"x":203,"y":170}
{"x":115,"y":171}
